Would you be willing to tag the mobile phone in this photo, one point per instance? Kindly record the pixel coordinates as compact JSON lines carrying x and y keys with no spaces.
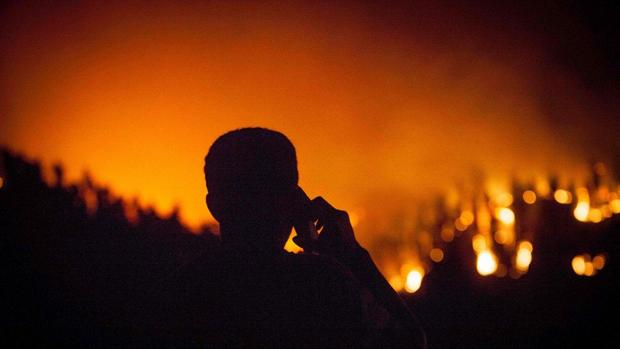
{"x":304,"y":221}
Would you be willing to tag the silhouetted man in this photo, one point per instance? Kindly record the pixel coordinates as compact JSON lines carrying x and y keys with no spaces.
{"x":253,"y":293}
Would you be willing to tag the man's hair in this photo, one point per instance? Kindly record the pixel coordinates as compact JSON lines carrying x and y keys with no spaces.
{"x":250,"y":160}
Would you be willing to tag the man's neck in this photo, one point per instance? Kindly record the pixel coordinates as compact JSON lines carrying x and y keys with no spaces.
{"x":250,"y":239}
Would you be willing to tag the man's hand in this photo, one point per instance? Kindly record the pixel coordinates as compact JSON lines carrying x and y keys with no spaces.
{"x":336,"y":236}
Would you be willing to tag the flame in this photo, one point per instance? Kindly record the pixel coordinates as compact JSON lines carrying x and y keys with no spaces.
{"x":486,"y":263}
{"x":585,"y":265}
{"x":563,"y":196}
{"x":579,"y":265}
{"x":505,"y":215}
{"x":414,"y":280}
{"x":524,"y":256}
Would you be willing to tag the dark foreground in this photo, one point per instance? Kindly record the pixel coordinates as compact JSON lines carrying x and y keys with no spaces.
{"x":71,"y":260}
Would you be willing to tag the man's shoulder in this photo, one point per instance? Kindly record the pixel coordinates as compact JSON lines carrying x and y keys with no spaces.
{"x":320,"y":264}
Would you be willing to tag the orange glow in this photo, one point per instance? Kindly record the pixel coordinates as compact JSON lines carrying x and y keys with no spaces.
{"x":1,"y":182}
{"x":136,"y":94}
{"x":529,"y":197}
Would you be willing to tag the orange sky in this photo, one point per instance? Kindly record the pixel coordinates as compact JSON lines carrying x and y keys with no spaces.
{"x":390,"y":103}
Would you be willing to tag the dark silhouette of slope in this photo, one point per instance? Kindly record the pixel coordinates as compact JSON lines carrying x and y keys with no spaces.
{"x":71,"y":260}
{"x":70,"y":264}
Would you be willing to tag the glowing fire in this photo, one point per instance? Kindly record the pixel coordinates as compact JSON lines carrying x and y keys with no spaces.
{"x":486,"y":263}
{"x":414,"y":280}
{"x":585,"y":265}
{"x":592,"y":204}
{"x":524,"y":256}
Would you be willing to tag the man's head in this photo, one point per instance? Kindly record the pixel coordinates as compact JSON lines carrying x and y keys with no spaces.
{"x":251,"y":176}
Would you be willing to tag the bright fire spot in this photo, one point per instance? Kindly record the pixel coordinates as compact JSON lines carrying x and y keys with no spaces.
{"x":529,"y":197}
{"x":582,"y":211}
{"x":563,"y":196}
{"x":579,"y":265}
{"x":1,"y":182}
{"x":505,"y":215}
{"x":524,"y":256}
{"x":486,"y":263}
{"x":414,"y":280}
{"x":436,"y":255}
